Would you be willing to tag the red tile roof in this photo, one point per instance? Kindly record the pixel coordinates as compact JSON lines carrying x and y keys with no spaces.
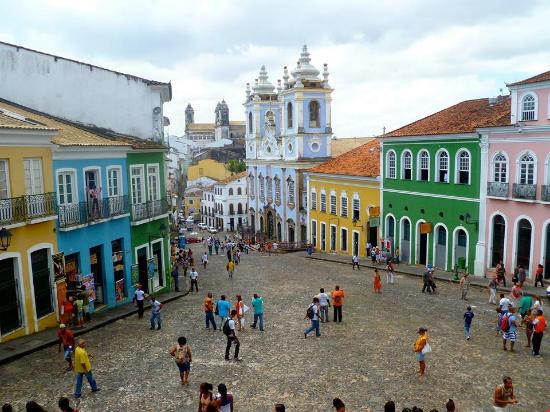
{"x":232,"y":178}
{"x":543,"y":77}
{"x":464,"y":117}
{"x":361,"y":161}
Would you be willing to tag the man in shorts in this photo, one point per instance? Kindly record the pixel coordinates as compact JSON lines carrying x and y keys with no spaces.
{"x":183,"y":357}
{"x":510,"y":333}
{"x":66,"y":338}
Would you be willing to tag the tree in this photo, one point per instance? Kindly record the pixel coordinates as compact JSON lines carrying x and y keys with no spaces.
{"x":235,"y":166}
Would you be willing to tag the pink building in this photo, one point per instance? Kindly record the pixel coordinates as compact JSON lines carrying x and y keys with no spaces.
{"x":516,"y":172}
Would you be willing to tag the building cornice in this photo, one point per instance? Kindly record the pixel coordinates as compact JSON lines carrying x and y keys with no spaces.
{"x":365,"y":179}
{"x":436,"y":137}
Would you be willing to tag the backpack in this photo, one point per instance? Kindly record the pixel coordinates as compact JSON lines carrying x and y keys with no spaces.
{"x":226,"y":329}
{"x":310,"y":314}
{"x":217,"y":311}
{"x":504,"y":323}
{"x":181,"y":354}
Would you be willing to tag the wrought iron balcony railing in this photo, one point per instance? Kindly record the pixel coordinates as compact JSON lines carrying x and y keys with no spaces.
{"x":149,"y":209}
{"x":523,"y":191}
{"x":498,"y":189}
{"x":545,"y":193}
{"x":74,"y":214}
{"x":25,"y":208}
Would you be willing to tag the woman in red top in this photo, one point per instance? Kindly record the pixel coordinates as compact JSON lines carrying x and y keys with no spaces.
{"x":67,"y":309}
{"x":239,"y":307}
{"x":538,"y":275}
{"x":377,"y":282}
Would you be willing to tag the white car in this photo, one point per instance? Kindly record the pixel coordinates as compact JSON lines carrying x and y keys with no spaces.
{"x":189,"y":219}
{"x":202,"y":226}
{"x":212,"y":229}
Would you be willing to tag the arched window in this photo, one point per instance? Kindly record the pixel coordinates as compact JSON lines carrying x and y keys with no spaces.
{"x":528,"y":107}
{"x":313,"y":204}
{"x":252,"y":186}
{"x":332,"y":202}
{"x":500,"y":168}
{"x":231,"y":209}
{"x":289,"y":115}
{"x":314,"y":114}
{"x":277,"y":182}
{"x":239,"y":191}
{"x":527,"y":169}
{"x":443,"y":167}
{"x":406,"y":165}
{"x":262,"y":187}
{"x":291,"y":193}
{"x":250,"y":122}
{"x":343,"y":204}
{"x":230,"y":191}
{"x":423,"y":166}
{"x":269,"y":189}
{"x":323,"y":201}
{"x":463,"y":167}
{"x":390,"y":172}
{"x":240,"y":209}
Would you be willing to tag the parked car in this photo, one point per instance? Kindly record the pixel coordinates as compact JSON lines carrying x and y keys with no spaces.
{"x":202,"y":226}
{"x":212,"y":229}
{"x":193,"y":239}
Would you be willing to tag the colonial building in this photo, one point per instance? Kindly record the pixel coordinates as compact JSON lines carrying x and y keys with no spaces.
{"x":515,"y":176}
{"x":208,"y":206}
{"x":230,"y":202}
{"x":287,"y":131}
{"x":204,"y":134}
{"x":344,"y":201}
{"x":431,"y":185}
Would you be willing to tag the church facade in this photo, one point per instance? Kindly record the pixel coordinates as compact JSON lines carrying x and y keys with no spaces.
{"x":288,"y":130}
{"x":204,"y":134}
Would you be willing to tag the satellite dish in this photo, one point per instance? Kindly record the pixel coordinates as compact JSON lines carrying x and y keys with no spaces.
{"x":156,"y":110}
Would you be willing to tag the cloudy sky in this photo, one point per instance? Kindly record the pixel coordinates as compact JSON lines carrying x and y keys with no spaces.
{"x":391,"y":62}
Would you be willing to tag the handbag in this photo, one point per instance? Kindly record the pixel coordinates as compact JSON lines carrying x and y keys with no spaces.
{"x":426,"y":349}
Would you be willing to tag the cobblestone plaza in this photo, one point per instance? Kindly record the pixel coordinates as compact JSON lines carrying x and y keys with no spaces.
{"x":366,"y":360}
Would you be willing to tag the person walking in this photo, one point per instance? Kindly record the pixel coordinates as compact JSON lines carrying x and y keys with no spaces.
{"x":206,"y":397}
{"x":493,"y":284}
{"x":324,"y":304}
{"x":139,"y":296}
{"x":176,"y":277}
{"x":258,"y":305}
{"x":222,"y":307}
{"x":508,"y":326}
{"x":389,"y":272}
{"x":230,"y":267}
{"x":156,"y":306}
{"x":525,"y":303}
{"x":464,"y":286}
{"x":204,"y":260}
{"x":217,"y":245}
{"x":337,"y":302}
{"x":241,"y":309}
{"x":66,"y":338}
{"x":194,"y":276}
{"x":224,"y":400}
{"x":504,"y":395}
{"x":426,"y":279}
{"x":539,"y":326}
{"x":230,"y":333}
{"x":501,"y":273}
{"x":539,"y":275}
{"x":377,"y":282}
{"x":209,"y":311}
{"x":504,"y":304}
{"x":528,"y":322}
{"x":468,"y":316}
{"x":183,"y":356}
{"x":522,"y":275}
{"x":368,"y":248}
{"x":209,"y":242}
{"x":421,"y":347}
{"x":312,"y":313}
{"x":355,"y":262}
{"x":82,"y":367}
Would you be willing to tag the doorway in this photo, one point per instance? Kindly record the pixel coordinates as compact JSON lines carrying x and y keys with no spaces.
{"x":499,"y":232}
{"x":356,"y":243}
{"x":523,"y":248}
{"x":157,"y":252}
{"x":547,"y":253}
{"x":303,"y":232}
{"x":332,"y":238}
{"x":461,"y":246}
{"x":373,"y":235}
{"x":96,"y":267}
{"x":405,"y":242}
{"x":10,"y":314}
{"x":279,"y":231}
{"x":441,"y":247}
{"x":291,"y":236}
{"x":270,"y":225}
{"x":422,"y":248}
{"x":142,"y":268}
{"x":42,"y":282}
{"x":390,"y":232}
{"x":323,"y":236}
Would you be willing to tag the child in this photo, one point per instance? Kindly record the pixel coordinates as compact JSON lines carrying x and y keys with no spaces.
{"x":389,"y":277}
{"x":79,"y":306}
{"x":204,"y":259}
{"x":468,"y":316}
{"x":528,"y":322}
{"x":499,"y":318}
{"x":377,"y":282}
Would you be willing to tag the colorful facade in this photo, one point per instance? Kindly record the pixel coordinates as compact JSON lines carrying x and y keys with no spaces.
{"x":344,"y":201}
{"x":516,"y":172}
{"x":27,"y":210}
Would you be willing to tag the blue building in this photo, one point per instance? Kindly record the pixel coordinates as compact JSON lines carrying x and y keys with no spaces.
{"x":93,"y":227}
{"x":287,"y":131}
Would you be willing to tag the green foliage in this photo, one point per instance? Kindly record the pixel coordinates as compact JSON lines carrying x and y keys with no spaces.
{"x":235,"y":166}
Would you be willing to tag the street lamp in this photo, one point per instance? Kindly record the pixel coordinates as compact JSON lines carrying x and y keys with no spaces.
{"x":5,"y":238}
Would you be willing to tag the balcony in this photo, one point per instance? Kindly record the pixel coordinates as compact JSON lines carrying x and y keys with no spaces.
{"x":498,"y":189}
{"x":149,"y":209}
{"x":26,"y":208}
{"x":523,"y":191}
{"x":76,"y":214}
{"x":545,"y":193}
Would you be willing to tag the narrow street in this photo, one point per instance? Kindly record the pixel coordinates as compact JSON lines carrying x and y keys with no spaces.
{"x":366,"y":360}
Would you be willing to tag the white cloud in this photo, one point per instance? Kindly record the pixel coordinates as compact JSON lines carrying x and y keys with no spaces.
{"x":390,"y":62}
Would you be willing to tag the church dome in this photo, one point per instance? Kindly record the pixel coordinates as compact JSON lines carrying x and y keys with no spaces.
{"x":263,"y":85}
{"x":304,"y":69}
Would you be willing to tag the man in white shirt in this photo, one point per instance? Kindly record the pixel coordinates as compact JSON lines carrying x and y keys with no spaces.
{"x":324,"y":303}
{"x":204,"y":259}
{"x":355,"y":261}
{"x":312,"y":314}
{"x":504,"y":304}
{"x":194,"y":279}
{"x":139,"y":296}
{"x":229,"y":331}
{"x":156,"y":306}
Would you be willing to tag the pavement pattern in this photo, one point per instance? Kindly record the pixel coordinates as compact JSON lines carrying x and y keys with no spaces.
{"x":366,"y":360}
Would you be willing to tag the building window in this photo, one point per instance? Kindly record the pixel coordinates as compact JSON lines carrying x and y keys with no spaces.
{"x":443,"y":167}
{"x":153,"y":180}
{"x":423,"y":166}
{"x":269,"y":189}
{"x":500,"y":168}
{"x":391,"y":165}
{"x":65,"y":188}
{"x":463,"y":167}
{"x":332,"y":203}
{"x":113,"y":182}
{"x":313,"y":200}
{"x":250,"y":122}
{"x":344,"y":205}
{"x":527,"y":169}
{"x":314,"y":114}
{"x":262,"y":187}
{"x":528,"y":108}
{"x":356,"y":206}
{"x":252,"y":184}
{"x":239,"y":191}
{"x":406,"y":161}
{"x":4,"y":180}
{"x":291,"y":194}
{"x":136,"y":174}
{"x":277,"y":190}
{"x":33,"y":176}
{"x":230,"y":191}
{"x":323,"y":201}
{"x":289,"y":115}
{"x":343,"y":240}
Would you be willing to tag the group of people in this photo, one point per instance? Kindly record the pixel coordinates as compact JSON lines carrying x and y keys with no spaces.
{"x":317,"y":312}
{"x":64,"y":405}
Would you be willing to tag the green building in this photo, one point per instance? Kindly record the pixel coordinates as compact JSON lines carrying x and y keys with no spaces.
{"x":430,"y":193}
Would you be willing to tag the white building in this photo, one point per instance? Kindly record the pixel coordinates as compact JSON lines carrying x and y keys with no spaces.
{"x":208,"y":206}
{"x":229,"y":203}
{"x":84,"y":93}
{"x":221,"y":132}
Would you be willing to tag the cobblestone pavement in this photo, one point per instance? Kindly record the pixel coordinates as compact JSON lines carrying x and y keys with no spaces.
{"x":366,"y":360}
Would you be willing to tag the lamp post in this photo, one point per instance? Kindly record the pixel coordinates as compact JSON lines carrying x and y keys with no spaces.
{"x":5,"y":238}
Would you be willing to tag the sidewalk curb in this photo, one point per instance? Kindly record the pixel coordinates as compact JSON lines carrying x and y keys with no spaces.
{"x":475,"y":281}
{"x":92,"y":327}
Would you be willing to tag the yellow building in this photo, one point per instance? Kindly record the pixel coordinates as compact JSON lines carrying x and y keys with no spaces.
{"x":207,"y":168}
{"x":28,"y":300}
{"x":344,"y":201}
{"x":192,"y":202}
